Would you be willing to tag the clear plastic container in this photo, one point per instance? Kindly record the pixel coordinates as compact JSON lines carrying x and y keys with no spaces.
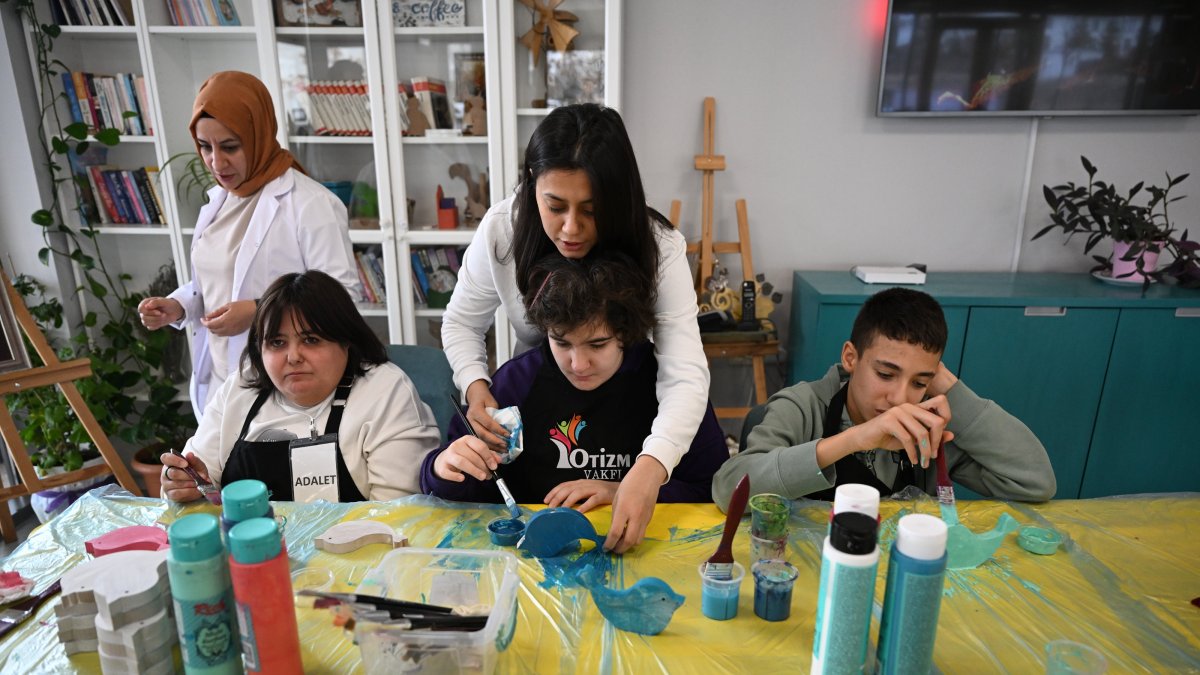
{"x":447,"y":577}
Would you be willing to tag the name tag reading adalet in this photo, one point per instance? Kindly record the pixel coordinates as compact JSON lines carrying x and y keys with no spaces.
{"x":314,"y":468}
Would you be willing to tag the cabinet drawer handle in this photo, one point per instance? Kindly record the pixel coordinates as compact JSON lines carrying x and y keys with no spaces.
{"x":1045,"y":311}
{"x":1187,"y":313}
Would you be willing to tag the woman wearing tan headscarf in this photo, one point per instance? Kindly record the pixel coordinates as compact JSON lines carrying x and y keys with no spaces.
{"x":265,"y":218}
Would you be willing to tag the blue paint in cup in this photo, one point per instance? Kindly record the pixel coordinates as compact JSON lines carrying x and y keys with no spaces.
{"x":773,"y":581}
{"x":719,"y":597}
{"x":506,"y":531}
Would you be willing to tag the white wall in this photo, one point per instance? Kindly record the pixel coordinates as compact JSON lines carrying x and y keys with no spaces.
{"x":20,"y":193}
{"x":830,"y":185}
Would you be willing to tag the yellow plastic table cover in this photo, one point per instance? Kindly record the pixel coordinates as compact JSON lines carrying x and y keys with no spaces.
{"x":1122,"y":582}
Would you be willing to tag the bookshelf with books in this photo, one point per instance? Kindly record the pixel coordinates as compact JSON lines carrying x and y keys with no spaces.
{"x":153,"y":61}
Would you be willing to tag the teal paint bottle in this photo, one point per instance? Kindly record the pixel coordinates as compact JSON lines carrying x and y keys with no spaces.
{"x":915,"y":578}
{"x":849,"y":561}
{"x":203,"y":597}
{"x":242,"y":500}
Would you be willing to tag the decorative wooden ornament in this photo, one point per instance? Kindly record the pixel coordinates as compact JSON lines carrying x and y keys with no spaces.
{"x":132,"y":538}
{"x":477,"y":192}
{"x":475,"y":117}
{"x":417,"y":122}
{"x":353,"y":535}
{"x":549,"y":27}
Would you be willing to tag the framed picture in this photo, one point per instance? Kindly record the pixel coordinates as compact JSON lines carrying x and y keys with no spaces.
{"x":574,"y":77}
{"x":469,"y":75}
{"x":12,"y":347}
{"x":429,"y":13}
{"x":317,"y":13}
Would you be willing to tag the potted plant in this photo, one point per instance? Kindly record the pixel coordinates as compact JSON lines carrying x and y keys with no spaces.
{"x":1139,"y":226}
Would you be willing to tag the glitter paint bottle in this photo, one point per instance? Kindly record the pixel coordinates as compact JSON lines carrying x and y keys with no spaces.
{"x":262,"y":588}
{"x":915,"y":578}
{"x":203,"y":597}
{"x":849,"y":562}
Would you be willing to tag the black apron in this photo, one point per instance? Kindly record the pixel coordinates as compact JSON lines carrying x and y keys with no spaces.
{"x":268,"y":461}
{"x":849,"y":468}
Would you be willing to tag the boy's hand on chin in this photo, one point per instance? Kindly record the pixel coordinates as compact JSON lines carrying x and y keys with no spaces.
{"x":914,"y":429}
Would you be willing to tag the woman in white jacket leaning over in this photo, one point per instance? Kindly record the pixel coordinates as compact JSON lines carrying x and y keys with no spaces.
{"x":264,"y":218}
{"x":581,"y":192}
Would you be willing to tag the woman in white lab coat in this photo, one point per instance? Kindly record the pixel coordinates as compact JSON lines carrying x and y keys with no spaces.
{"x":265,"y":218}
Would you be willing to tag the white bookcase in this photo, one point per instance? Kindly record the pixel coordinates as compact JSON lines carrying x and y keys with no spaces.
{"x":176,"y":60}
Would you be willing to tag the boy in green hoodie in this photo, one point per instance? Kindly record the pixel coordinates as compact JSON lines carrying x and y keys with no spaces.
{"x":879,"y":415}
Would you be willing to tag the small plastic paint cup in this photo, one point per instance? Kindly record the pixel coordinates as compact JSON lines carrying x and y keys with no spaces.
{"x":769,"y":516}
{"x":1039,"y":540}
{"x":767,"y":549}
{"x":1064,"y":657}
{"x":773,"y":581}
{"x":310,"y":579}
{"x":719,"y":597}
{"x":506,"y":531}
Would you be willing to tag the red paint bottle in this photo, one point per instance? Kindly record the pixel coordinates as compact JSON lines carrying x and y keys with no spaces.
{"x":262,"y":591}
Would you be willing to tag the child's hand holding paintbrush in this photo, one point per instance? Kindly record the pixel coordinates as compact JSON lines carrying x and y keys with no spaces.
{"x":186,"y":479}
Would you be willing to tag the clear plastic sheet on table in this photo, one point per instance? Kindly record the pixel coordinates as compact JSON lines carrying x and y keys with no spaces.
{"x":1121,"y":582}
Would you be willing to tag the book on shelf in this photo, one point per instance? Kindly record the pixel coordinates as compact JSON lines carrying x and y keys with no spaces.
{"x":142,"y":181}
{"x":90,"y":208}
{"x":339,"y":108}
{"x":203,"y":12}
{"x":436,"y":268}
{"x":102,"y":101}
{"x":92,"y":12}
{"x":152,"y":178}
{"x":368,"y":292}
{"x":431,"y":92}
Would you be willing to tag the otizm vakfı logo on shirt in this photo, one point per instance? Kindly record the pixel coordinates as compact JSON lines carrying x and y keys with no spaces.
{"x":596,"y":465}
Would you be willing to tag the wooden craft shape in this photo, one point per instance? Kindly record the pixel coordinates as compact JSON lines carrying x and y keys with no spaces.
{"x":417,"y":122}
{"x":353,"y":535}
{"x":79,"y":583}
{"x":552,"y":532}
{"x":477,"y":192}
{"x":139,"y":637}
{"x":132,"y":538}
{"x":644,"y":608}
{"x":475,"y":118}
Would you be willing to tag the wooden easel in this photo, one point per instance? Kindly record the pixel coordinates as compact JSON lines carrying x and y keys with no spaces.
{"x":729,"y":345}
{"x":63,"y":374}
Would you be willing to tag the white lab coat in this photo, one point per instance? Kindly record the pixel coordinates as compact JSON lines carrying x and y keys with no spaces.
{"x":297,"y":225}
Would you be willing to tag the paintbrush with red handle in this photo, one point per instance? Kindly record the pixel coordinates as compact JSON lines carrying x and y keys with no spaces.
{"x":720,"y":564}
{"x":945,"y":488}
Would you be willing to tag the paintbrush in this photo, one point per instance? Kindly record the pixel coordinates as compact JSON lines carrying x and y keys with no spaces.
{"x":945,"y":488}
{"x":511,"y":503}
{"x":378,"y":602}
{"x":211,"y":492}
{"x":720,"y":564}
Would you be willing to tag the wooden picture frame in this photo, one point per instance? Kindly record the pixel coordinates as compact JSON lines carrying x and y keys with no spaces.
{"x":12,"y":348}
{"x":318,"y":13}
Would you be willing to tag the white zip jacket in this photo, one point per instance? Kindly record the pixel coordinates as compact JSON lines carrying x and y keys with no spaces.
{"x":486,"y":283}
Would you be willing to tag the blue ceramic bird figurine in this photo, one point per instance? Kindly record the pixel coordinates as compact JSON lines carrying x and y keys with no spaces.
{"x":552,"y":532}
{"x":644,"y":608}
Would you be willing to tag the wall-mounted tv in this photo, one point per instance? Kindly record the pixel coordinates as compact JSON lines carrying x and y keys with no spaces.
{"x":1041,"y":57}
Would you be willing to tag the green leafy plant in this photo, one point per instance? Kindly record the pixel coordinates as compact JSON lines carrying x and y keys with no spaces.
{"x":128,"y":391}
{"x":193,"y":177}
{"x":1099,"y":211}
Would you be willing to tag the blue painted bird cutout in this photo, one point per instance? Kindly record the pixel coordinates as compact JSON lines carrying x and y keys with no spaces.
{"x":644,"y":608}
{"x":552,"y":532}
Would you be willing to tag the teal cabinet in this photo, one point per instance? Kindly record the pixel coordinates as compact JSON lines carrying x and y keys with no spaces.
{"x":1032,"y":360}
{"x":1147,"y":435}
{"x":1106,"y":377}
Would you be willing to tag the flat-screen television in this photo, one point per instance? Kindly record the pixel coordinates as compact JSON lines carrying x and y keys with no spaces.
{"x":1041,"y":57}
